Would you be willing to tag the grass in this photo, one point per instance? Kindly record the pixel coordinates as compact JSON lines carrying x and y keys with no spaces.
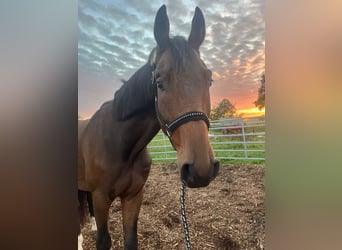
{"x":229,"y":148}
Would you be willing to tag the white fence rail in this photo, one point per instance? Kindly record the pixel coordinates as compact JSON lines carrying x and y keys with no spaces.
{"x":231,"y":138}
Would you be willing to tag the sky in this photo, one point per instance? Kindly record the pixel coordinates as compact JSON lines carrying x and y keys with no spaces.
{"x":115,"y":38}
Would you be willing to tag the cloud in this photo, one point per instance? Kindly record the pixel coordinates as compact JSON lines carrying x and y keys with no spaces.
{"x":115,"y":39}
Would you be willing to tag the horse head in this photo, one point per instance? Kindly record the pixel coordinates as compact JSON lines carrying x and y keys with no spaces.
{"x":182,"y":99}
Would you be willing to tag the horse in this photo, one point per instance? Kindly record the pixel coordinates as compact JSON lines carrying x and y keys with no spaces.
{"x":170,"y":92}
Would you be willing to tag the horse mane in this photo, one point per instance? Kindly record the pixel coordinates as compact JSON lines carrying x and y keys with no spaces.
{"x":135,"y":95}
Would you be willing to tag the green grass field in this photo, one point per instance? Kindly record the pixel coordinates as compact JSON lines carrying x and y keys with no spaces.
{"x":229,"y":149}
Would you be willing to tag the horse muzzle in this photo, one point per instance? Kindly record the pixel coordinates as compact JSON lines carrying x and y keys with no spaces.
{"x":193,"y":180}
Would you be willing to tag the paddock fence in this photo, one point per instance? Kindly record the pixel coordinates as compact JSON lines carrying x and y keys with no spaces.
{"x":236,"y":139}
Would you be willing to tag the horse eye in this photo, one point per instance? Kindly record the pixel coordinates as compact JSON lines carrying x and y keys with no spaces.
{"x":160,"y":84}
{"x":211,"y":82}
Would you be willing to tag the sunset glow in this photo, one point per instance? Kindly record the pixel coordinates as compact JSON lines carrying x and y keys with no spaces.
{"x":252,"y":112}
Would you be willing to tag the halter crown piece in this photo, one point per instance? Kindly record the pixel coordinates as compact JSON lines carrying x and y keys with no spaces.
{"x":169,"y":128}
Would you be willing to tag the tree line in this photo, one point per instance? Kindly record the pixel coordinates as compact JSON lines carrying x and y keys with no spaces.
{"x":226,"y":109}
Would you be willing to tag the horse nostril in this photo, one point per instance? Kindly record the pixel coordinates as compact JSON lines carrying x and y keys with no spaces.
{"x":185,"y":171}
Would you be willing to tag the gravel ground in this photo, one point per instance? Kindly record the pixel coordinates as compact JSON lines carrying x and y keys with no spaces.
{"x":223,"y":215}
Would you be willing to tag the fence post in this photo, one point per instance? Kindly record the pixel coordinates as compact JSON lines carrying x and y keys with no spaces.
{"x":244,"y":138}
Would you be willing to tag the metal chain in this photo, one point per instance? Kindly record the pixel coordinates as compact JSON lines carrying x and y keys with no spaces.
{"x":184,"y":219}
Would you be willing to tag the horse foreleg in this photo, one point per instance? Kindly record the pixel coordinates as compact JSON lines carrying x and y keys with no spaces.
{"x":91,"y":211}
{"x":101,"y":203}
{"x":130,"y":213}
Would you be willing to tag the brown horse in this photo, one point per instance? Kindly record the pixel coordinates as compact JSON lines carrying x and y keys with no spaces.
{"x":171,"y":91}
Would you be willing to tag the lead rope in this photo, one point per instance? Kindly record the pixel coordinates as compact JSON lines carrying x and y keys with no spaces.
{"x":184,"y":219}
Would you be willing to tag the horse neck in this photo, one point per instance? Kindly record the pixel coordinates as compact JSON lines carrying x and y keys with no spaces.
{"x":139,"y":130}
{"x":137,"y":118}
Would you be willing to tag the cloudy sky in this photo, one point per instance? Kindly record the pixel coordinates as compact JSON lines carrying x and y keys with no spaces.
{"x":115,"y":38}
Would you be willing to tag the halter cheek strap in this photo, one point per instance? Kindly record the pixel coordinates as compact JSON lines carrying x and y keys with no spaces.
{"x":169,"y":128}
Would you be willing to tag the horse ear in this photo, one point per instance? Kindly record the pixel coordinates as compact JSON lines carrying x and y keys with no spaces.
{"x":197,"y":32}
{"x":162,"y":28}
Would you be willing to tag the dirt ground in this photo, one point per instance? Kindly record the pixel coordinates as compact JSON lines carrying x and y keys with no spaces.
{"x":221,"y":216}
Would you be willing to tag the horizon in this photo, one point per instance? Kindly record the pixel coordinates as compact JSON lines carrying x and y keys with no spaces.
{"x":243,"y":113}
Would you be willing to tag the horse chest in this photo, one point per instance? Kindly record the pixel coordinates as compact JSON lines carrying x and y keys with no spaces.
{"x":129,"y":183}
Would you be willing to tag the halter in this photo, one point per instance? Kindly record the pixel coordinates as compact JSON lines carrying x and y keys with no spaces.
{"x":169,"y":128}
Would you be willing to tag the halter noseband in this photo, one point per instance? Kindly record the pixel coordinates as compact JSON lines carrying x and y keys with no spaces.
{"x":169,"y":128}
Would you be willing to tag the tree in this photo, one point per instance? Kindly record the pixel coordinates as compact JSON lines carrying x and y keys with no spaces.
{"x":223,"y":109}
{"x":260,"y":102}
